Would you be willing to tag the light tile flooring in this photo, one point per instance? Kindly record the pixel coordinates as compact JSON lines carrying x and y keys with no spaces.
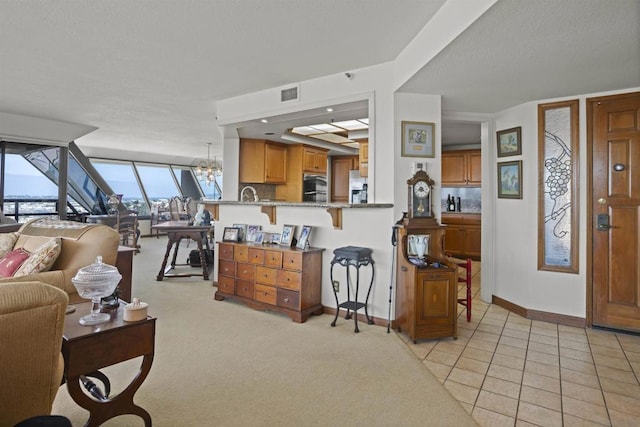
{"x":506,"y":370}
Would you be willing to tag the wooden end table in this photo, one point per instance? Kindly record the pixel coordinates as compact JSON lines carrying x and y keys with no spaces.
{"x":86,"y":349}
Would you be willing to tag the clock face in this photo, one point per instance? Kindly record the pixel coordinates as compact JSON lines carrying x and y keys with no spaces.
{"x":421,"y":189}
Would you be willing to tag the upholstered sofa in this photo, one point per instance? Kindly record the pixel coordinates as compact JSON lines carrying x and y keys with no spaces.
{"x":79,"y":245}
{"x":32,"y":316}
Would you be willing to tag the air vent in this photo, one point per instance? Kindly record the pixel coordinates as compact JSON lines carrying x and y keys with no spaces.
{"x":289,"y":94}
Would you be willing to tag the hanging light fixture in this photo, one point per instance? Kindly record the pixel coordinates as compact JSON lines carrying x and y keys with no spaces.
{"x":208,"y":170}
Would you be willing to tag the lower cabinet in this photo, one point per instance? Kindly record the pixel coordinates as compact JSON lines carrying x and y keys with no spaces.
{"x":463,"y":235}
{"x":426,"y":298}
{"x":282,"y":279}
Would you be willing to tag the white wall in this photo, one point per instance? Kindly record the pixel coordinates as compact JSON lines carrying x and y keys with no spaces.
{"x":418,"y":108}
{"x":367,"y":227}
{"x":517,"y":278}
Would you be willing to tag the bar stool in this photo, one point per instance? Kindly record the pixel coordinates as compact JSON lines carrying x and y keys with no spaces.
{"x":467,"y":279}
{"x":352,"y":256}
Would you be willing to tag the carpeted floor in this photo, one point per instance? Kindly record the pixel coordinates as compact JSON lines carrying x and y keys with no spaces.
{"x":223,"y":364}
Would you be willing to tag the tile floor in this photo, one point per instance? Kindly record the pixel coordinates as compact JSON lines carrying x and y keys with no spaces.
{"x":506,"y":370}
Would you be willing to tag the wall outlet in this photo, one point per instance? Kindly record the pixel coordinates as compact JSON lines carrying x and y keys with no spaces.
{"x":336,"y":286}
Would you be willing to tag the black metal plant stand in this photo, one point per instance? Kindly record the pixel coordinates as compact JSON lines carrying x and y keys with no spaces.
{"x":352,"y":256}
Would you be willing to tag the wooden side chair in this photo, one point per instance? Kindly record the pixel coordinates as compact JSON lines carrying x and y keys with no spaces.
{"x":127,"y":226}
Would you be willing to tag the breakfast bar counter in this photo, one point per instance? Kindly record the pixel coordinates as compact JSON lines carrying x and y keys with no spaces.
{"x":268,"y":207}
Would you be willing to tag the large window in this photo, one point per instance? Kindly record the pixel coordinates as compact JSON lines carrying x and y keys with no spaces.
{"x":158,"y":182}
{"x":122,"y":179}
{"x":31,"y":190}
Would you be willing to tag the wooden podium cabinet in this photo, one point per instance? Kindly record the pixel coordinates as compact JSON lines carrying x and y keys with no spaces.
{"x":426,"y":293}
{"x":271,"y":277}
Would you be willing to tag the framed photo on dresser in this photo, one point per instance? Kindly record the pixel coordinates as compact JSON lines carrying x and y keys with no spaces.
{"x":231,"y":234}
{"x":287,"y":234}
{"x":303,"y":241}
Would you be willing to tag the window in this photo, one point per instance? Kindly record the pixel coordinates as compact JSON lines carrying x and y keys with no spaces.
{"x":122,"y":179}
{"x":158,"y":182}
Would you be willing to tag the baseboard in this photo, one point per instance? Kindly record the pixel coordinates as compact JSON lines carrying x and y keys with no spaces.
{"x":561,"y":319}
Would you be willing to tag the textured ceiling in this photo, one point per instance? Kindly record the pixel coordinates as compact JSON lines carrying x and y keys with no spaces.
{"x":148,"y":73}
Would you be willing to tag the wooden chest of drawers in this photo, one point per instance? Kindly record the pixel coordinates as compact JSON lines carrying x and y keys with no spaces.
{"x":271,"y":277}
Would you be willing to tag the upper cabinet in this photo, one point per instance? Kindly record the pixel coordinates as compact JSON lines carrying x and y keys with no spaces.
{"x":314,"y":160}
{"x":364,"y":158}
{"x":461,"y":168}
{"x":262,"y":162}
{"x":301,"y":159}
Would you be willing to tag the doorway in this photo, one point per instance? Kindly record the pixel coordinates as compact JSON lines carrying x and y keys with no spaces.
{"x":613,"y":138}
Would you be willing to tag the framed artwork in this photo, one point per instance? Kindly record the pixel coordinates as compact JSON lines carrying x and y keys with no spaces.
{"x":509,"y":142}
{"x":417,"y":139}
{"x":275,"y":238}
{"x":242,"y":231}
{"x":252,"y":232}
{"x":259,"y":237}
{"x":510,"y":180}
{"x":231,"y":234}
{"x":287,"y":234}
{"x":558,"y":142}
{"x":303,"y":241}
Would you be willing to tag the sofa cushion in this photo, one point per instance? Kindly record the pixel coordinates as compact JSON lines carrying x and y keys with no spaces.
{"x":12,"y":261}
{"x":41,"y":259}
{"x":7,"y":242}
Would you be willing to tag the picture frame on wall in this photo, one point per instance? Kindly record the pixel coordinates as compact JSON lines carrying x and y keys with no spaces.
{"x":510,"y":180}
{"x":418,"y":139}
{"x":509,"y":142}
{"x":303,"y":241}
{"x":286,"y":238}
{"x":231,"y":234}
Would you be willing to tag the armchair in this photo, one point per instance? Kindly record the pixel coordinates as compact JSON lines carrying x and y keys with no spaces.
{"x":31,"y":363}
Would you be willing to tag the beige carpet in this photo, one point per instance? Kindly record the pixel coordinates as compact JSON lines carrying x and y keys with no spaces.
{"x":223,"y":364}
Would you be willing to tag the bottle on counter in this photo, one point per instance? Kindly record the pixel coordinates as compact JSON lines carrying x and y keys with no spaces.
{"x":459,"y":205}
{"x":451,"y":204}
{"x":363,"y":193}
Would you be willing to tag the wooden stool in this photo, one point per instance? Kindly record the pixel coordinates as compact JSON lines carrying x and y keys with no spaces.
{"x":467,"y":279}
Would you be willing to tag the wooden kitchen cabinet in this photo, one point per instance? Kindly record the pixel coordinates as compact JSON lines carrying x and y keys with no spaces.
{"x":298,"y":160}
{"x":271,"y":277}
{"x":463,"y":235}
{"x":340,"y":167}
{"x":363,"y":153}
{"x":462,"y":168}
{"x":426,"y":296}
{"x":262,"y":161}
{"x":314,"y":160}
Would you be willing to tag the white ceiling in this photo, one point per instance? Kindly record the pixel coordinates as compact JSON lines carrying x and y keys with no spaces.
{"x":147,"y":74}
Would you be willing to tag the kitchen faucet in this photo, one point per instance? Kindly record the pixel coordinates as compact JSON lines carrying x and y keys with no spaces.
{"x":248,"y":187}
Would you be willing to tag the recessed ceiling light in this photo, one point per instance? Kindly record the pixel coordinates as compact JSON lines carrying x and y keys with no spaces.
{"x":329,"y":110}
{"x":264,"y":121}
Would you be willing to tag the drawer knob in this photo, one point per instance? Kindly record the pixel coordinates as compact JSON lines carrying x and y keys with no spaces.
{"x":286,"y":300}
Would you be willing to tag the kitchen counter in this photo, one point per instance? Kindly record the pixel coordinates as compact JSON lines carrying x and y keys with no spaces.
{"x":268,"y":207}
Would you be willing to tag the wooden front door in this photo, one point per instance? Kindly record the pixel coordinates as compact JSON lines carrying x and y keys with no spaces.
{"x":614,"y":124}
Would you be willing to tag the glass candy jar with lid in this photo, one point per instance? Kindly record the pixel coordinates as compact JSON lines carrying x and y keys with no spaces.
{"x":93,"y":282}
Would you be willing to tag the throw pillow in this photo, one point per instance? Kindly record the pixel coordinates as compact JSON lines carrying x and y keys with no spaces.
{"x":7,"y":242}
{"x":12,"y":262}
{"x":41,"y":259}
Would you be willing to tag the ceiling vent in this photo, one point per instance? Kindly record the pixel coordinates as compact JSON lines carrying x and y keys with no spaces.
{"x":290,"y":94}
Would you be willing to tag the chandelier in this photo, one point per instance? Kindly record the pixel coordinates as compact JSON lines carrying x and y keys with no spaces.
{"x":208,"y":170}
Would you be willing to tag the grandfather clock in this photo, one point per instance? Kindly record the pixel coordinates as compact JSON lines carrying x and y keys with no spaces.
{"x":426,"y":283}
